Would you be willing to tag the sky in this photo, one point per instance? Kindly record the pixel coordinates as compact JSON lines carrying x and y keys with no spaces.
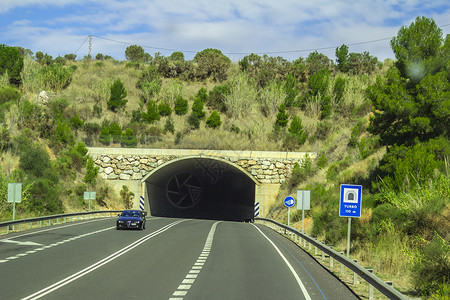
{"x":286,"y":28}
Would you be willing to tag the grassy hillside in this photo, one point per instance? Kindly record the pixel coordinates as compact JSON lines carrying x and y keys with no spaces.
{"x":264,"y":103}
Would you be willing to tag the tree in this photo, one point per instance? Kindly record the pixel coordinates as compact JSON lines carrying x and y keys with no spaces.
{"x":214,"y":120}
{"x":296,"y":129}
{"x":118,"y":94}
{"x":342,"y":58}
{"x":105,"y":136}
{"x":290,"y":89}
{"x":35,"y":160}
{"x":128,"y":139}
{"x":177,"y":55}
{"x":417,"y":49}
{"x":91,"y":172}
{"x":135,"y":53}
{"x":115,"y":130}
{"x":318,"y":82}
{"x":11,"y":62}
{"x":282,"y":116}
{"x":212,"y":63}
{"x":149,"y":83}
{"x":164,"y":109}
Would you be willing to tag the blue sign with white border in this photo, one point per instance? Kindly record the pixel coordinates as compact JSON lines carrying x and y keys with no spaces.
{"x":351,"y":200}
{"x":289,"y":201}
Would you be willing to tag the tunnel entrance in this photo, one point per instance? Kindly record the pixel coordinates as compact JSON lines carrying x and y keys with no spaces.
{"x":199,"y":187}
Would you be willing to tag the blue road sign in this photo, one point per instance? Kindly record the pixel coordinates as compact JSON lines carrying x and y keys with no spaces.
{"x":350,"y":203}
{"x":289,"y":201}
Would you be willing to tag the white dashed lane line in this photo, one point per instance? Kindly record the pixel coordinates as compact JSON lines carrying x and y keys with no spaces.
{"x":189,"y":280}
{"x":53,"y":245}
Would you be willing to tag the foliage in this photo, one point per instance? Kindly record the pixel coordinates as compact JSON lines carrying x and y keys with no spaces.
{"x":34,"y":160}
{"x":127,"y":197}
{"x":342,"y":58}
{"x":241,"y":96}
{"x":135,"y":53}
{"x":212,"y":63}
{"x":56,"y":77}
{"x":362,"y":63}
{"x":316,"y":62}
{"x":417,"y":49}
{"x":181,"y":106}
{"x":149,"y":83}
{"x":202,"y":95}
{"x":214,"y":120}
{"x":169,"y":126}
{"x":194,"y":121}
{"x":129,"y":140}
{"x":116,"y":132}
{"x":62,"y":135}
{"x":300,"y":173}
{"x":282,"y":117}
{"x":104,"y":137}
{"x":9,"y":94}
{"x":318,"y":82}
{"x":164,"y":109}
{"x":11,"y":62}
{"x":290,"y":90}
{"x":339,"y":87}
{"x":152,"y":115}
{"x":432,"y":268}
{"x":326,"y":108}
{"x":197,"y":108}
{"x":296,"y":130}
{"x":118,"y":94}
{"x":407,"y":109}
{"x":217,"y":96}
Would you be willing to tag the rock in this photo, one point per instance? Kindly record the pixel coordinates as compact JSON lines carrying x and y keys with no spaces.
{"x":108,"y":170}
{"x":43,"y":98}
{"x":124,"y":176}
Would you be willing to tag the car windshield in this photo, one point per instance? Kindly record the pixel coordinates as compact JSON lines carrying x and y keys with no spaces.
{"x":131,"y":214}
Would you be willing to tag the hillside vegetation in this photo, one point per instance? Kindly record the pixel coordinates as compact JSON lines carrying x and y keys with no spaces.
{"x":383,"y":125}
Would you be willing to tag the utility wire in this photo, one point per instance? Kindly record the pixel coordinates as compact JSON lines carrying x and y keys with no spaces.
{"x":244,"y":53}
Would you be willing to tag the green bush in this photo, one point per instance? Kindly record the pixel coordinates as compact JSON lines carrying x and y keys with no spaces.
{"x":62,"y":136}
{"x":181,"y":106}
{"x":169,"y":126}
{"x":129,"y":140}
{"x":318,"y":82}
{"x":34,"y":160}
{"x":116,"y":132}
{"x":194,"y":121}
{"x":164,"y":109}
{"x":152,"y":115}
{"x":217,"y":96}
{"x":322,"y":130}
{"x":11,"y":62}
{"x":432,"y":267}
{"x":105,"y":136}
{"x":282,"y":117}
{"x":118,"y":94}
{"x":214,"y":120}
{"x":56,"y":77}
{"x":212,"y":63}
{"x":9,"y":94}
{"x":197,"y":108}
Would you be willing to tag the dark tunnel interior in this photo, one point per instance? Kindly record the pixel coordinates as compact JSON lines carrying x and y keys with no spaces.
{"x":202,"y":188}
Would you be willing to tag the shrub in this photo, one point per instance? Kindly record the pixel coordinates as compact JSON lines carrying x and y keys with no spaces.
{"x":197,"y":108}
{"x":164,"y":109}
{"x":127,"y":197}
{"x":202,"y":95}
{"x":9,"y":94}
{"x":118,"y":94}
{"x":326,"y":110}
{"x":432,"y":267}
{"x":129,"y":140}
{"x":169,"y":126}
{"x":149,"y":82}
{"x":318,"y":82}
{"x":152,"y":115}
{"x":181,"y":106}
{"x":214,"y":120}
{"x":296,"y":129}
{"x":135,"y":53}
{"x":212,"y":63}
{"x":116,"y":132}
{"x":56,"y":77}
{"x":34,"y":160}
{"x":323,"y":129}
{"x":217,"y":96}
{"x":11,"y":62}
{"x":104,"y":137}
{"x":76,"y":122}
{"x":235,"y":128}
{"x":63,"y":135}
{"x":339,"y":87}
{"x":194,"y":121}
{"x":290,"y":90}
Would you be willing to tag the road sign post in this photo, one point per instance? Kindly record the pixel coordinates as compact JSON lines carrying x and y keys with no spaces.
{"x":350,"y":206}
{"x":14,"y":196}
{"x":303,"y":203}
{"x":89,"y":196}
{"x":289,"y":202}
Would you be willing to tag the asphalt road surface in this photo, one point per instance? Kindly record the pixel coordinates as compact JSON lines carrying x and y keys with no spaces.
{"x":170,"y":259}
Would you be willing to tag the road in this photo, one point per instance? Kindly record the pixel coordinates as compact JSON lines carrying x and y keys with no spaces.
{"x":171,"y":259}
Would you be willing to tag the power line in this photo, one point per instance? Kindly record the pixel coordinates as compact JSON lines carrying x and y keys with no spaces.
{"x":244,"y":53}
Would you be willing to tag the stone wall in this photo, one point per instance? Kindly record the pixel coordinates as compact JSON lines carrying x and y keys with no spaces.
{"x":136,"y":167}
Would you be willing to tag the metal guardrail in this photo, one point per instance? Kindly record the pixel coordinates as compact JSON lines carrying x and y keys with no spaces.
{"x":57,"y":217}
{"x":364,"y":273}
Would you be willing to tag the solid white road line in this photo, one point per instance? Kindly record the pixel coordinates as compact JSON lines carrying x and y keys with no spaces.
{"x":98,"y":264}
{"x":300,"y":283}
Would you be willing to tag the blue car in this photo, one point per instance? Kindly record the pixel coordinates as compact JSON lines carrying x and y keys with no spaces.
{"x":131,"y":219}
